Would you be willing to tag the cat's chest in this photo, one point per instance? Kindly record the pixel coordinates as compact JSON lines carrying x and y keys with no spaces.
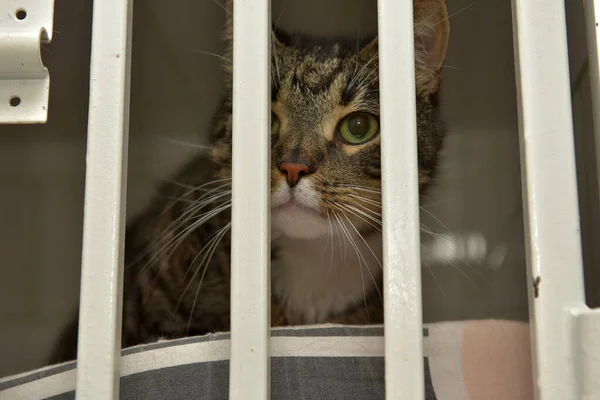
{"x":314,"y":279}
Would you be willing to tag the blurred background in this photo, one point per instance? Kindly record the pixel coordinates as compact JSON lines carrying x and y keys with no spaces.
{"x":176,"y":83}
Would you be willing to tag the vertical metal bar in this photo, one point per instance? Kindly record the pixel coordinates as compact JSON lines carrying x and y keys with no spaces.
{"x":400,"y":199}
{"x":250,"y":235}
{"x":588,"y":356}
{"x":103,"y":231}
{"x":592,"y":15}
{"x":549,"y":193}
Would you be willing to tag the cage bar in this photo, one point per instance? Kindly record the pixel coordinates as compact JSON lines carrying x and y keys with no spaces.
{"x":400,"y":200}
{"x":553,"y":245}
{"x":592,"y":15}
{"x":105,"y":194}
{"x":250,"y":233}
{"x":588,"y":357}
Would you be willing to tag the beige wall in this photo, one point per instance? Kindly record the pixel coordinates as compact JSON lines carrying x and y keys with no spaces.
{"x":174,"y":91}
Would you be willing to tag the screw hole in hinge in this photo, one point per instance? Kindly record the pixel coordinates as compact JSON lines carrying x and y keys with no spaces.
{"x":21,"y":14}
{"x":15,"y":101}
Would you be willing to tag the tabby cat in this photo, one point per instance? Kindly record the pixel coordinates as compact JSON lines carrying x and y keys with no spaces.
{"x":325,"y":196}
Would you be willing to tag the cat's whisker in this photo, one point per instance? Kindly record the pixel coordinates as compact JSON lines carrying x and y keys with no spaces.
{"x":443,"y":66}
{"x":331,"y":236}
{"x":198,"y":188}
{"x":437,"y":203}
{"x":372,"y":212}
{"x":183,"y":143}
{"x":339,"y":236}
{"x":433,"y":234}
{"x":180,"y":184}
{"x":435,"y":278}
{"x":177,"y":239}
{"x":172,"y":246}
{"x":453,"y":14}
{"x":342,"y":207}
{"x":460,"y":271}
{"x":192,"y":214}
{"x":377,"y":215}
{"x":362,"y":238}
{"x":372,"y":252}
{"x":187,"y":202}
{"x":361,"y":261}
{"x":200,"y":219}
{"x":211,"y":239}
{"x":208,"y":53}
{"x":222,"y":6}
{"x":436,"y":235}
{"x":212,"y":251}
{"x":365,"y":200}
{"x":210,"y":245}
{"x":192,"y":209}
{"x":435,"y":218}
{"x":370,"y":249}
{"x":358,"y":256}
{"x":206,"y":191}
{"x":362,"y":188}
{"x":191,"y":188}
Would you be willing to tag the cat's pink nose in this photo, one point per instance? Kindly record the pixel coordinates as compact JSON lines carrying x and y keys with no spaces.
{"x":294,"y":172}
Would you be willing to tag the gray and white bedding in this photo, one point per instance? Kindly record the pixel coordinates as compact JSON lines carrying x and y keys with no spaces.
{"x":475,"y":360}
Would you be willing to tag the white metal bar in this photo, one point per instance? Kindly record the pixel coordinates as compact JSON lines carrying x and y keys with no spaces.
{"x":589,"y":322}
{"x":588,"y":346}
{"x":250,"y":234}
{"x":24,"y":80}
{"x":554,"y":260}
{"x":592,"y":14}
{"x":400,"y":199}
{"x":99,"y":344}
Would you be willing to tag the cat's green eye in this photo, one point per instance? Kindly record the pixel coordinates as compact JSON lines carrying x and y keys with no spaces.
{"x":358,"y":128}
{"x":275,"y":124}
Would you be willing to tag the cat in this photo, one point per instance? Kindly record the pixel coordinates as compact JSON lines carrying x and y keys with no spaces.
{"x":325,"y":195}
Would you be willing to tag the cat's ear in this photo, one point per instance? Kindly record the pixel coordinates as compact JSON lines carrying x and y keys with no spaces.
{"x":280,"y":38}
{"x":432,"y":31}
{"x":370,"y":47}
{"x":229,"y":22}
{"x":228,"y":37}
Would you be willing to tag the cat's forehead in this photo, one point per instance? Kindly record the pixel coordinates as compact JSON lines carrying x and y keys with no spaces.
{"x":315,"y":59}
{"x":319,"y":78}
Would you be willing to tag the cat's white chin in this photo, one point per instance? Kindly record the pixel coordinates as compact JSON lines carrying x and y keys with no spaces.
{"x":298,"y":222}
{"x":294,"y":212}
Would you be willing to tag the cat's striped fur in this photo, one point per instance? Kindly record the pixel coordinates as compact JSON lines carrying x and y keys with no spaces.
{"x":177,"y":253}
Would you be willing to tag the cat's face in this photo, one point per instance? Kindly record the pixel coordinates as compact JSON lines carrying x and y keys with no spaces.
{"x":325,"y":165}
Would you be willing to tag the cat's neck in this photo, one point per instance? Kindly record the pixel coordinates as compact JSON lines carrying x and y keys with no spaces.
{"x":314,"y":279}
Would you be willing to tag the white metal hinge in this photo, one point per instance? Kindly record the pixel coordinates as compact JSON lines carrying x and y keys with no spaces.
{"x":24,"y":81}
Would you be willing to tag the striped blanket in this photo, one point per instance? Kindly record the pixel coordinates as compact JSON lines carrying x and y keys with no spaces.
{"x":472,"y":360}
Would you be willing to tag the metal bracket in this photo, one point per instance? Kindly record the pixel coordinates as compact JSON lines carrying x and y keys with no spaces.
{"x":24,"y":81}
